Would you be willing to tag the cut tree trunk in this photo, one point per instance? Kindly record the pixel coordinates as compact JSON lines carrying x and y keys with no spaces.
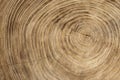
{"x":59,"y":39}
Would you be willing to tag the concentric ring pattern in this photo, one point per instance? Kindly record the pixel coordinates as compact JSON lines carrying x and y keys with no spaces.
{"x":59,"y":39}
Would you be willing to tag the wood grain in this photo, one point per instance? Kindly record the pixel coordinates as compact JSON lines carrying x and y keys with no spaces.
{"x":59,"y":39}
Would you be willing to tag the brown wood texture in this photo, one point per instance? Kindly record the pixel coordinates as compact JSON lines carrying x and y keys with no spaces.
{"x":59,"y":39}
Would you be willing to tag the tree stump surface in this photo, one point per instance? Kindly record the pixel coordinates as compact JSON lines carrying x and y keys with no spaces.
{"x":59,"y":39}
